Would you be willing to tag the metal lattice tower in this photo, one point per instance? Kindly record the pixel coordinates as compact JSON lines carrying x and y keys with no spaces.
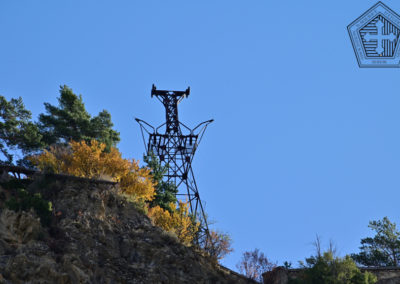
{"x":175,"y":145}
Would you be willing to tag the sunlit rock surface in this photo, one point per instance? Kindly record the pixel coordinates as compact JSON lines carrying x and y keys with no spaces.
{"x":96,"y":237}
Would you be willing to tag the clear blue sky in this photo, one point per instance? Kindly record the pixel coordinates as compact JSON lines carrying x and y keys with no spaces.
{"x":304,"y":141}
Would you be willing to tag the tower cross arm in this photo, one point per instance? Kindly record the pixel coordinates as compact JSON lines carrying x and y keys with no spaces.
{"x":201,"y":128}
{"x":204,"y":124}
{"x":143,"y":124}
{"x":155,"y":92}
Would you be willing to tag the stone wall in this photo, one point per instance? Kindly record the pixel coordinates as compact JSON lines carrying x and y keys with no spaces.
{"x":385,"y":275}
{"x":281,"y":275}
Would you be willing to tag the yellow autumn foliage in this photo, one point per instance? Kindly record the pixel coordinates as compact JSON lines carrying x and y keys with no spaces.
{"x":178,"y":222}
{"x":89,"y":160}
{"x":138,"y":181}
{"x":54,"y":160}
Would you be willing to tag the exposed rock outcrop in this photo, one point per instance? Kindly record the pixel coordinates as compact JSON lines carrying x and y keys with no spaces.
{"x":97,"y":236}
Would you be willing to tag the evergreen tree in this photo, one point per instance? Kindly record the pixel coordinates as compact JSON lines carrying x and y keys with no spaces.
{"x":165,"y":191}
{"x":383,"y":249}
{"x":101,"y":129}
{"x":16,"y":129}
{"x":70,"y":121}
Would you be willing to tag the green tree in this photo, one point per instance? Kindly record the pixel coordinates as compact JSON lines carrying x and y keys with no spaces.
{"x":101,"y":129}
{"x":16,"y":129}
{"x":165,"y":191}
{"x":70,"y":121}
{"x":383,"y":249}
{"x":328,"y":269}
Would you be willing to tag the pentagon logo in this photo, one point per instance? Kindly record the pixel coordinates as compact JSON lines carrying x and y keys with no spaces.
{"x":375,"y":37}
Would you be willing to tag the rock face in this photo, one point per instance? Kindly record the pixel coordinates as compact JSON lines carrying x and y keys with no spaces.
{"x":97,"y":236}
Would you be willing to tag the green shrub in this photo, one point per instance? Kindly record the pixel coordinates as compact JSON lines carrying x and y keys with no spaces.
{"x":25,"y":201}
{"x":329,"y":269}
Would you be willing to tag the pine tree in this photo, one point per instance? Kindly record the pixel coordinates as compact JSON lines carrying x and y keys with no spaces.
{"x":70,"y":121}
{"x":16,"y":129}
{"x":383,"y":249}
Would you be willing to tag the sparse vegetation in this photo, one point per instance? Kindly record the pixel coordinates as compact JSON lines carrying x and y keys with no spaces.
{"x":178,"y":221}
{"x":217,"y":245}
{"x":254,"y":263}
{"x":24,"y":200}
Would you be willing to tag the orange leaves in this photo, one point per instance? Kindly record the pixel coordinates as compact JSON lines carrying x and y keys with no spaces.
{"x":55,"y":160}
{"x":89,"y":160}
{"x":86,"y":160}
{"x":218,"y":245}
{"x":178,"y":222}
{"x":138,"y":181}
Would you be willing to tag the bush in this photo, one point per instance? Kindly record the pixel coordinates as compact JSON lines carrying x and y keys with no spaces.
{"x":25,"y":201}
{"x":217,"y":244}
{"x":328,"y":269}
{"x":90,"y":160}
{"x":178,"y":221}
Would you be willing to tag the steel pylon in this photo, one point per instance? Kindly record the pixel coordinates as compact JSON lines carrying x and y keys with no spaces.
{"x":175,"y":145}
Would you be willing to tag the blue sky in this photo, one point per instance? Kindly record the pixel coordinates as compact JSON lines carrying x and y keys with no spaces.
{"x":304,"y":141}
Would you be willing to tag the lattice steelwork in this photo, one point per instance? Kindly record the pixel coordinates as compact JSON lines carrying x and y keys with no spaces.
{"x":175,"y":145}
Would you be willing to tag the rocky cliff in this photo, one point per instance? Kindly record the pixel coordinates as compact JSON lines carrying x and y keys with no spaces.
{"x":95,"y":236}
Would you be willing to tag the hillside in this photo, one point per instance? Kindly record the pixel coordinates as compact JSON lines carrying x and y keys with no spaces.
{"x":94,"y":236}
